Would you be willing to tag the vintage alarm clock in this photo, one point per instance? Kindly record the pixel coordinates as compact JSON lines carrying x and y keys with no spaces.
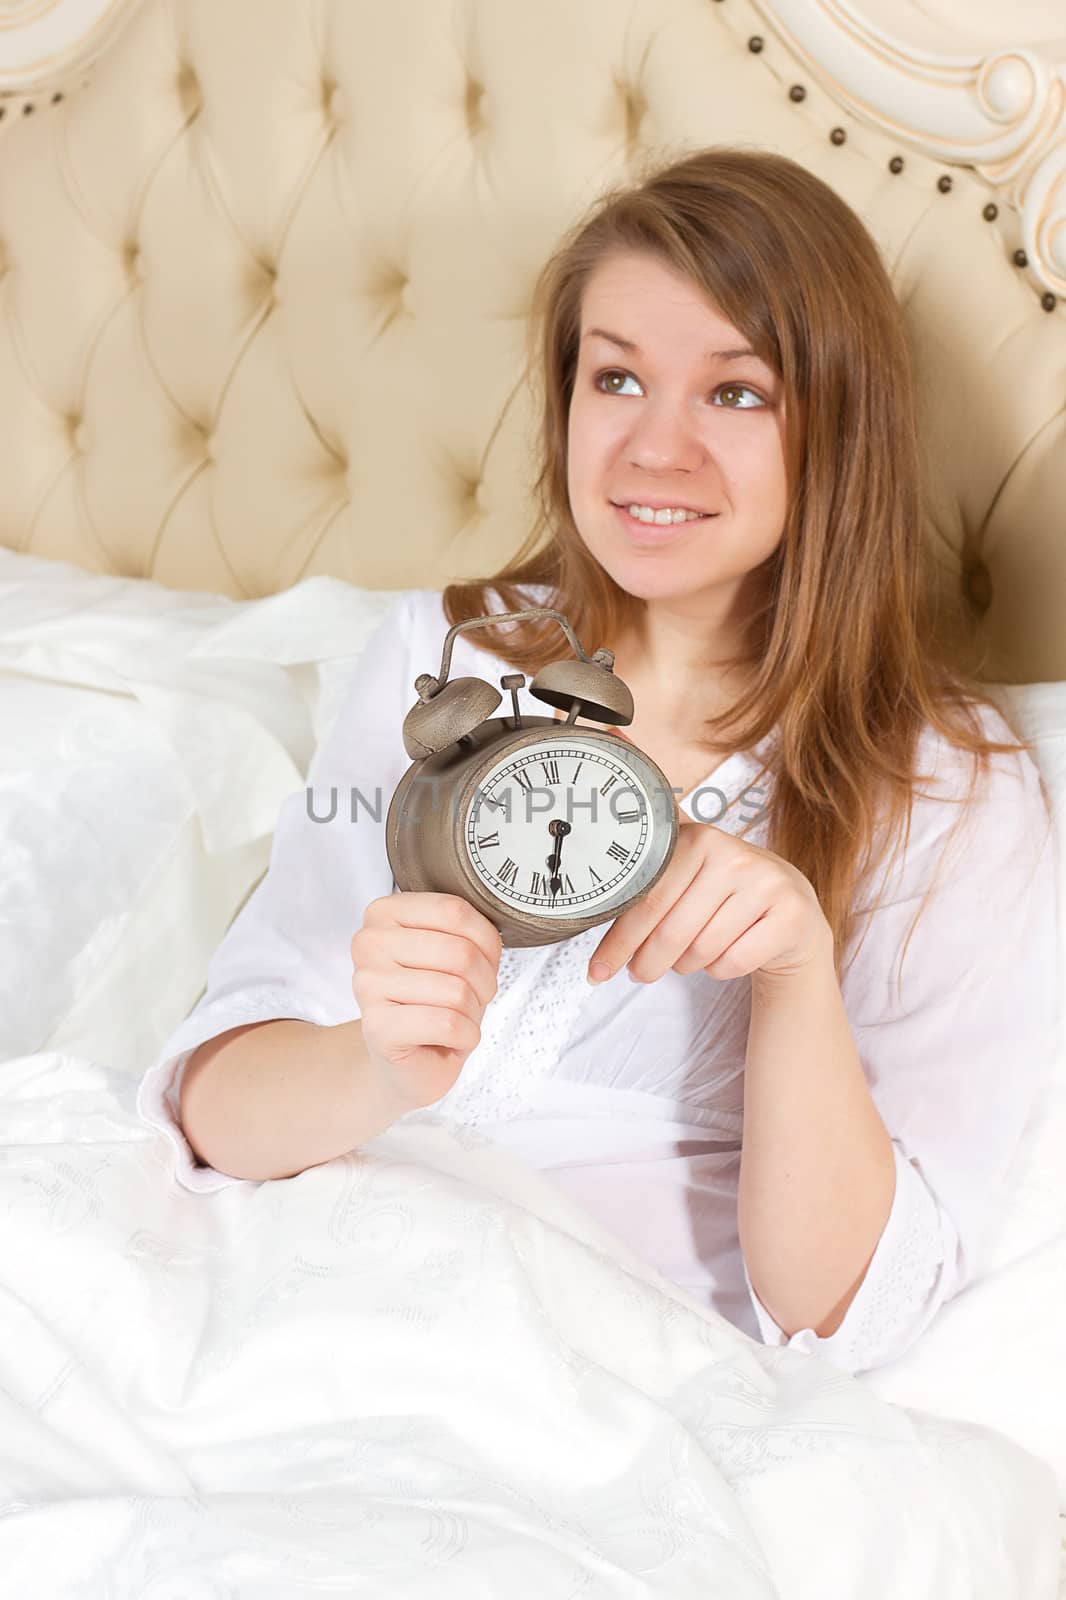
{"x":546,"y":827}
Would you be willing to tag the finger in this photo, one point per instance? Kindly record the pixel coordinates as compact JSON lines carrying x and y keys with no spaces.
{"x":429,"y":1025}
{"x":444,"y":989}
{"x":414,"y":908}
{"x":690,"y":921}
{"x":388,"y":948}
{"x":711,"y":951}
{"x":756,"y":945}
{"x":629,"y":931}
{"x":423,"y":949}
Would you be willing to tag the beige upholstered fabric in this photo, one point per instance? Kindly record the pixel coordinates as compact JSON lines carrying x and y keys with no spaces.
{"x":263,"y":287}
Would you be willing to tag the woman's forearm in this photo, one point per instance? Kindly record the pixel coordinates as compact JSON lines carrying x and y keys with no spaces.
{"x":270,"y":1099}
{"x":817,"y":1175}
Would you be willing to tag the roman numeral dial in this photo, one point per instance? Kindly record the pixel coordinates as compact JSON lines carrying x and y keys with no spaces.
{"x":565,"y":827}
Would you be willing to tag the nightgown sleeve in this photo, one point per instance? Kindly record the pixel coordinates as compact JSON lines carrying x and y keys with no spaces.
{"x":287,"y":953}
{"x":956,"y":1059}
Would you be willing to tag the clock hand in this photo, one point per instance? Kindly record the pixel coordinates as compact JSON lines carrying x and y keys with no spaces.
{"x":552,"y":862}
{"x":560,"y":830}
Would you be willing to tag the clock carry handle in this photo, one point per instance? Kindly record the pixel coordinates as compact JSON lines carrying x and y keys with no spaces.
{"x":446,"y":712}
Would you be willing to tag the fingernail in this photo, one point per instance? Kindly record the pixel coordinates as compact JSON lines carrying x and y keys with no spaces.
{"x":598,"y":970}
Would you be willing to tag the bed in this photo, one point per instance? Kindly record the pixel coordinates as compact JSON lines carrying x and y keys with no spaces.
{"x":252,"y":391}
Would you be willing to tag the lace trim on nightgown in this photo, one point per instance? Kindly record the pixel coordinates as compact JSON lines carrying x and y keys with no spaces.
{"x":902,"y":1296}
{"x":523,"y":1031}
{"x":899,"y":1297}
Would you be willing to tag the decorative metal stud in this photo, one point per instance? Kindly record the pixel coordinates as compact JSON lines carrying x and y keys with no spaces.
{"x":797,"y":92}
{"x":991,"y":212}
{"x":896,"y":164}
{"x":838,"y":136}
{"x":1048,"y":301}
{"x":944,"y":184}
{"x":1020,"y":258}
{"x":755,"y":44}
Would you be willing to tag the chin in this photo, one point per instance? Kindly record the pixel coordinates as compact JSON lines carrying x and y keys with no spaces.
{"x":657,"y":572}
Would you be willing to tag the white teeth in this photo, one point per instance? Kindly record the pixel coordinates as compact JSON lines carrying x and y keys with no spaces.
{"x":668,"y":514}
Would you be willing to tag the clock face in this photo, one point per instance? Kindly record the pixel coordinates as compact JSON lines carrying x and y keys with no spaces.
{"x":567,"y":826}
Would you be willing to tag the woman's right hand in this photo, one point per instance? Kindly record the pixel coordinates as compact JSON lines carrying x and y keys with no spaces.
{"x":424,"y":968}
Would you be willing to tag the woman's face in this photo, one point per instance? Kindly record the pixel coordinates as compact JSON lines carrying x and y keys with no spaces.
{"x":675,"y":416}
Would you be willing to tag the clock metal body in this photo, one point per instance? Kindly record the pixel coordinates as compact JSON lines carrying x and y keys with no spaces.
{"x":545,"y":826}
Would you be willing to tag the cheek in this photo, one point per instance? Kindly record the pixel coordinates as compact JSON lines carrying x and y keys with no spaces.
{"x":758,"y":467}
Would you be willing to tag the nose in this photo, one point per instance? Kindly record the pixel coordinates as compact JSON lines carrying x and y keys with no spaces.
{"x":665,"y":439}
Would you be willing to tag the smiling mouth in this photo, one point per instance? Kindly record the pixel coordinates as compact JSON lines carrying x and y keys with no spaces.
{"x":692,"y":514}
{"x":642,"y":532}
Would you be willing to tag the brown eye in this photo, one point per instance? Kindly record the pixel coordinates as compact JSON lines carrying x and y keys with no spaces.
{"x":609,"y":376}
{"x":735,"y":389}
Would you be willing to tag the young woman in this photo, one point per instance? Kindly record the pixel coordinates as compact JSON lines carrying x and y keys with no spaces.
{"x":844,"y":996}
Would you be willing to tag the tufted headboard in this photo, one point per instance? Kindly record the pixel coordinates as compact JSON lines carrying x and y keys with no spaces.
{"x":265,"y":268}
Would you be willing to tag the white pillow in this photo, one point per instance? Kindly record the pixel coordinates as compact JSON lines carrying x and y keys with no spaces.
{"x":147,"y":739}
{"x":1034,"y":1198}
{"x":994,"y":1354}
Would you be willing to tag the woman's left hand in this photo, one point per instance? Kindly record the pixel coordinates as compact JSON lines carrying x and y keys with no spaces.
{"x":722,"y":906}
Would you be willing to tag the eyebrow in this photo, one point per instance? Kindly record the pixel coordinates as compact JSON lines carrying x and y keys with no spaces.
{"x":634,"y":349}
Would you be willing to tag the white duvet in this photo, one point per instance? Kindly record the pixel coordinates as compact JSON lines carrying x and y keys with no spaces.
{"x":420,"y":1371}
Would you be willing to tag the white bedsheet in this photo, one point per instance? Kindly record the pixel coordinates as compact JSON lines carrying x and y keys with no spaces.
{"x":419,"y":1371}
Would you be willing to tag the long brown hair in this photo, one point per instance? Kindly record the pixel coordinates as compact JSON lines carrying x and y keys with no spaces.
{"x":846,"y":655}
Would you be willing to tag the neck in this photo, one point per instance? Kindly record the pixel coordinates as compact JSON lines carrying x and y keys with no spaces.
{"x":679,"y":668}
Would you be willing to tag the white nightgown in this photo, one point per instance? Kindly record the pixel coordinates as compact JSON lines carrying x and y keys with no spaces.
{"x":631,"y":1095}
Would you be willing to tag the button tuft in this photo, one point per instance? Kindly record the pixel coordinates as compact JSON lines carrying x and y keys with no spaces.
{"x":335,"y":102}
{"x":474,"y":494}
{"x":189,"y":91}
{"x":198,"y":438}
{"x":635,"y":109}
{"x":978,"y":585}
{"x":474,"y":105}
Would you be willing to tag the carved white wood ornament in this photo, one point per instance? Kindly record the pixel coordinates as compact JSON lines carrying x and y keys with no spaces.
{"x":46,"y":44}
{"x":960,"y":82}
